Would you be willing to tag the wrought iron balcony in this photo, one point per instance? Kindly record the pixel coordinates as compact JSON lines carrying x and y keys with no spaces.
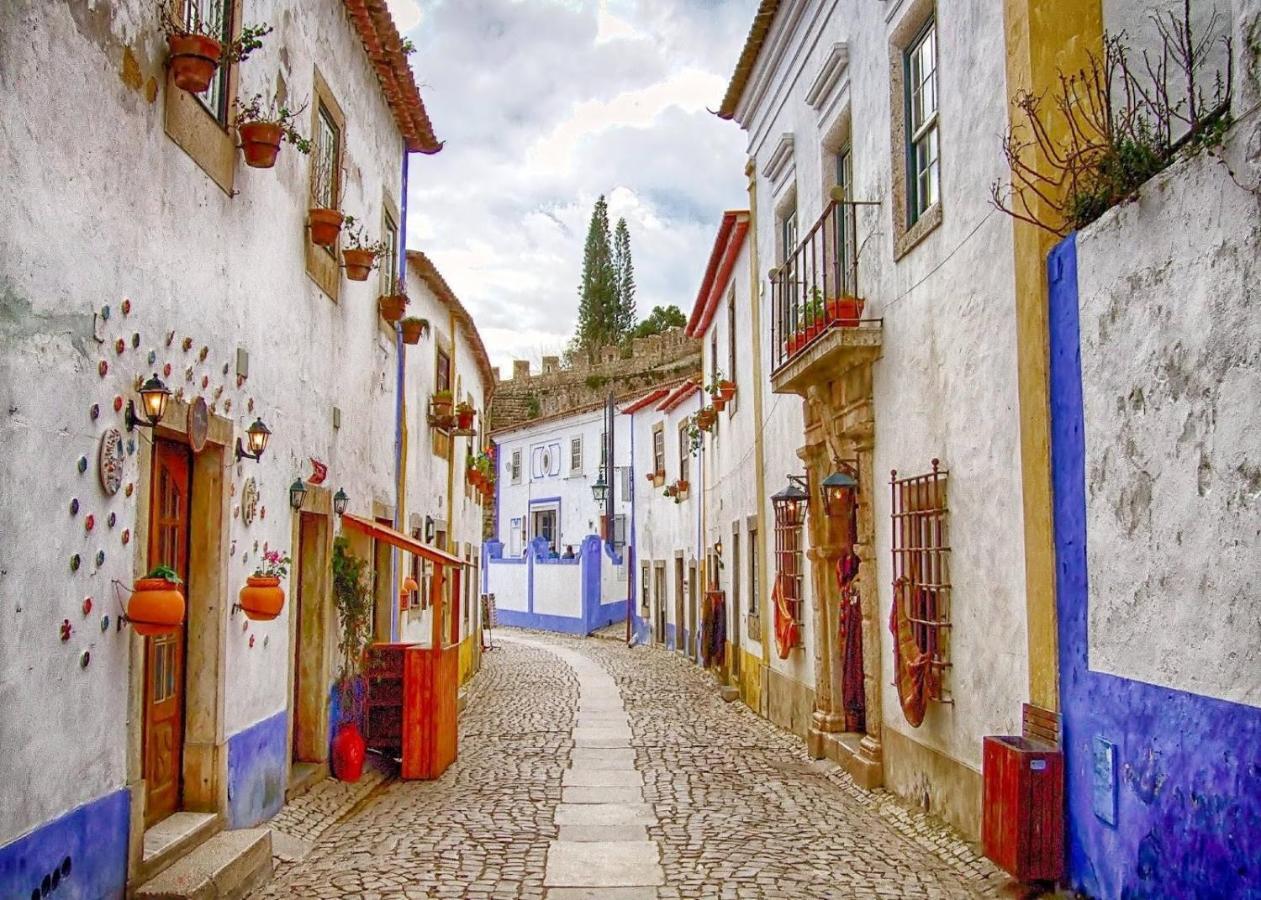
{"x":816,"y":288}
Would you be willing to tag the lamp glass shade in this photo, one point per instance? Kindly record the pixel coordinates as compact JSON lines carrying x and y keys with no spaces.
{"x":154,"y":396}
{"x":599,"y":490}
{"x":297,"y":493}
{"x":836,"y":489}
{"x":790,"y":506}
{"x":339,"y":501}
{"x":256,"y":437}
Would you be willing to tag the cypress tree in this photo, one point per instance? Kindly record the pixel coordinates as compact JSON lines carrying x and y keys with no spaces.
{"x":597,"y":292}
{"x":624,"y":273}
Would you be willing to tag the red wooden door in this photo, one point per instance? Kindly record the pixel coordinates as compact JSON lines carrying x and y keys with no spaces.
{"x":164,"y":654}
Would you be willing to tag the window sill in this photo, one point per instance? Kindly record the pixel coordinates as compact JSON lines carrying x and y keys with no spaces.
{"x":199,"y":134}
{"x":923,"y":227}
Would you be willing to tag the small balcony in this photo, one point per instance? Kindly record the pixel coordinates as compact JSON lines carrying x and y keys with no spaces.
{"x":815,"y":301}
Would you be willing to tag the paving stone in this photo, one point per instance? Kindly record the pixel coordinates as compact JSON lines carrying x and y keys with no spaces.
{"x":602,"y":794}
{"x":603,"y":864}
{"x":602,"y":776}
{"x":603,"y":833}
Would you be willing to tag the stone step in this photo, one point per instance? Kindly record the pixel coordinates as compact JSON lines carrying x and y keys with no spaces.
{"x":226,"y":867}
{"x":170,"y":840}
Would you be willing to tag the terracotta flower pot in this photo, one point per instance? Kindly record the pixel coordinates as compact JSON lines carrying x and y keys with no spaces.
{"x":441,"y":407}
{"x":464,"y":419}
{"x":683,"y":485}
{"x":260,"y":142}
{"x":651,"y":476}
{"x":262,"y":598}
{"x":720,"y":402}
{"x":412,"y":330}
{"x":349,"y":749}
{"x":156,"y":607}
{"x":726,"y":390}
{"x":358,"y":263}
{"x":325,"y":224}
{"x":193,"y":61}
{"x":392,"y":307}
{"x":846,"y":310}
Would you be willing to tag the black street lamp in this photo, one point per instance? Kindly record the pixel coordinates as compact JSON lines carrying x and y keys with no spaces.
{"x":340,"y":499}
{"x":154,"y":395}
{"x":790,"y":503}
{"x":600,"y":490}
{"x":297,"y":493}
{"x":256,"y":438}
{"x":837,"y":489}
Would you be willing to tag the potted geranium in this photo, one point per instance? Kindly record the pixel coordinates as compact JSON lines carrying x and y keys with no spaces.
{"x":263,"y":598}
{"x":846,"y":310}
{"x":413,"y":327}
{"x":706,"y":418}
{"x":325,"y":222}
{"x":157,"y":604}
{"x":352,"y":599}
{"x":263,"y":122}
{"x":359,"y":256}
{"x":464,"y":415}
{"x":196,"y":46}
{"x":392,"y":304}
{"x":440,"y":406}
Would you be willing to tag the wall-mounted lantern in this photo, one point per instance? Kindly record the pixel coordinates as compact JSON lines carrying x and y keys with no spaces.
{"x":340,"y":499}
{"x":837,"y":489}
{"x":154,"y":396}
{"x":600,"y":490}
{"x":429,"y":529}
{"x":718,"y":548}
{"x":256,"y":438}
{"x":297,"y":493}
{"x":790,"y":503}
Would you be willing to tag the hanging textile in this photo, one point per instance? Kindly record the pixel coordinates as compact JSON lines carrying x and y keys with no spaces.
{"x":850,"y":626}
{"x":718,"y":628}
{"x":707,"y":626}
{"x":787,"y":628}
{"x":910,"y":663}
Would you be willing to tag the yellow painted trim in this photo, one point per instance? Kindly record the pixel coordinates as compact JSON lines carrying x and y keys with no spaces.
{"x":759,"y":449}
{"x":1043,"y":40}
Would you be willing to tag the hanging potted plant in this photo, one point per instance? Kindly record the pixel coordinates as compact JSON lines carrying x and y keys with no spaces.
{"x":196,"y":46}
{"x":263,"y":122}
{"x":440,"y":405}
{"x":706,"y":418}
{"x":157,"y":604}
{"x":413,"y":328}
{"x":681,"y":487}
{"x":353,"y":601}
{"x":464,"y":416}
{"x":359,"y":256}
{"x":325,"y":221}
{"x":672,"y":490}
{"x":263,"y":598}
{"x":392,"y":305}
{"x":651,"y":476}
{"x":325,"y":224}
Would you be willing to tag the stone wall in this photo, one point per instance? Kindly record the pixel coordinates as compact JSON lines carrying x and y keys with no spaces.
{"x":582,"y":382}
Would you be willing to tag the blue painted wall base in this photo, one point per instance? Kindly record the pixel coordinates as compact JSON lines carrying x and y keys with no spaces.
{"x":1188,"y":767}
{"x":81,"y":855}
{"x":596,"y":613}
{"x":258,"y":767}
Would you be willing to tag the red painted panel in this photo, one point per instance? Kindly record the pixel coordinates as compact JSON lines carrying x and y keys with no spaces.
{"x":1023,"y":807}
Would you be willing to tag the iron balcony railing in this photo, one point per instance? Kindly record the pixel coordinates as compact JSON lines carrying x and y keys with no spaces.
{"x":816,"y":288}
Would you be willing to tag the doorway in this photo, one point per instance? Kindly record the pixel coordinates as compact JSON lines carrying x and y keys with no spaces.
{"x":163,"y":740}
{"x":543,"y":525}
{"x":310,"y":635}
{"x":682,"y":640}
{"x":659,"y":589}
{"x":694,"y":644}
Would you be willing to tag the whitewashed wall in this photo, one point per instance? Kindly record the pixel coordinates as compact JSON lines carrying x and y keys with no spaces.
{"x":946,"y":386}
{"x":1173,"y":437}
{"x":110,"y":208}
{"x":510,"y":585}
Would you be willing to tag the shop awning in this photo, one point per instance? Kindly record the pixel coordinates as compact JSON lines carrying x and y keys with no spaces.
{"x":401,"y":541}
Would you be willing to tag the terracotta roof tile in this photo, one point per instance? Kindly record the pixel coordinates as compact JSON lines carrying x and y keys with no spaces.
{"x":429,"y":274}
{"x":762,"y":19}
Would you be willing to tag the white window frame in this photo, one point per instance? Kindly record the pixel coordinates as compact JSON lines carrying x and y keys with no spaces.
{"x":923,"y":142}
{"x":575,"y":455}
{"x":514,"y":466}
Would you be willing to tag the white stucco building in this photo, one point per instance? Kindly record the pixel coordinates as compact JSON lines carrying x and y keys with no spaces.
{"x":140,"y":243}
{"x":559,"y":558}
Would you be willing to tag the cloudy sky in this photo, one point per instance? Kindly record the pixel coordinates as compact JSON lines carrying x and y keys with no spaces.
{"x":544,"y":105}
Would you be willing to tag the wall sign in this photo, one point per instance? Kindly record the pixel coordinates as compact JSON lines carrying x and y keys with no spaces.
{"x":249,"y":500}
{"x":198,"y":424}
{"x":109,"y":461}
{"x":1103,"y":780}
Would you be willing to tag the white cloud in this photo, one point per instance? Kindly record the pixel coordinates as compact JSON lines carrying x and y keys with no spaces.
{"x":544,"y":105}
{"x":406,"y":14}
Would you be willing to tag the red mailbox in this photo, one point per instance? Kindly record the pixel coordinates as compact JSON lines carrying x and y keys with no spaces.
{"x":1022,"y":819}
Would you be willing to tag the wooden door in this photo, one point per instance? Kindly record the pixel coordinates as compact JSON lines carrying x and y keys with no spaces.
{"x":164,"y":654}
{"x":681,"y":637}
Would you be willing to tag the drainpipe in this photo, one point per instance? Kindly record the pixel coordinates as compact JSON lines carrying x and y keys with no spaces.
{"x":400,"y":462}
{"x":631,"y":545}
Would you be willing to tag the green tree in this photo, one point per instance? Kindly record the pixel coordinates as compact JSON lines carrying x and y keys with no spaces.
{"x":661,"y":318}
{"x":597,"y":292}
{"x":624,"y":276}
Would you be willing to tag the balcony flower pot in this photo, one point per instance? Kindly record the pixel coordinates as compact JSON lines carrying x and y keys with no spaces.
{"x":194,"y":59}
{"x":156,"y":605}
{"x":349,"y":749}
{"x":392,"y":306}
{"x":262,"y":598}
{"x":846,"y":310}
{"x":413,"y":328}
{"x":720,"y":402}
{"x":706,"y":418}
{"x":358,"y":263}
{"x":726,"y":390}
{"x":260,"y":142}
{"x":464,"y":417}
{"x":682,"y":486}
{"x":325,"y":225}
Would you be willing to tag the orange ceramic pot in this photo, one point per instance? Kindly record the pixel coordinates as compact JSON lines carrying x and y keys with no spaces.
{"x":156,"y":607}
{"x":358,"y":264}
{"x":846,"y":310}
{"x":726,"y":390}
{"x":262,"y":599}
{"x":326,"y":224}
{"x":412,"y":330}
{"x":260,"y":142}
{"x":194,"y":59}
{"x":392,"y":307}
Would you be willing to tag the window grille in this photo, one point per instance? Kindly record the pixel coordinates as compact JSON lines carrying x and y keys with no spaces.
{"x":389,"y":260}
{"x":516,"y":466}
{"x":921,"y":570}
{"x":788,"y":565}
{"x":685,"y":453}
{"x":327,"y":160}
{"x":753,"y":574}
{"x":575,"y":454}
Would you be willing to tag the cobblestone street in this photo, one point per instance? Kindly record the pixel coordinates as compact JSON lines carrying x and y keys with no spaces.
{"x":720,"y":803}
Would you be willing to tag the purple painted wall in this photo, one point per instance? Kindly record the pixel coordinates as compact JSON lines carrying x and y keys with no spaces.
{"x":81,"y":855}
{"x":1187,"y":767}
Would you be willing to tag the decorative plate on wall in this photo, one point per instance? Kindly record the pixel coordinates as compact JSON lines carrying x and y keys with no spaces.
{"x":198,"y":424}
{"x":110,"y":461}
